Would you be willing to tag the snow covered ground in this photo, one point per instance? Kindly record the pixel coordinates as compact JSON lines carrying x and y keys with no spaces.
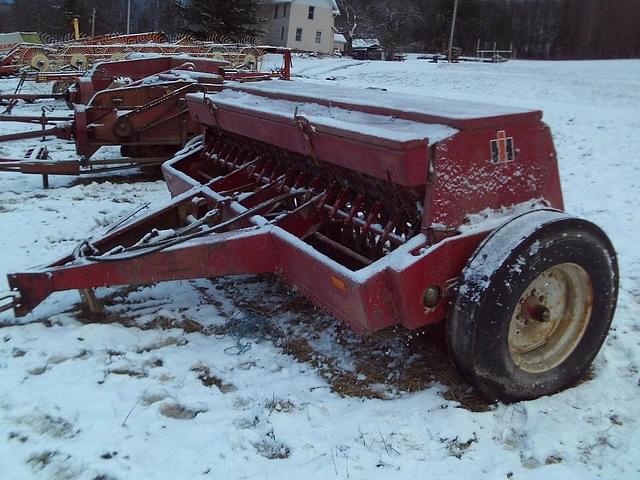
{"x":168,"y":388}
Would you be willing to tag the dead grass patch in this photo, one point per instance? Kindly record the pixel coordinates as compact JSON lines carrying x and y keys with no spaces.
{"x":208,"y":379}
{"x":180,"y":412}
{"x":128,"y":372}
{"x":383,"y":365}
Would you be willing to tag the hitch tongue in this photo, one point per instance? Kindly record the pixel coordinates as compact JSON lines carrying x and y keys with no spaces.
{"x":8,"y":300}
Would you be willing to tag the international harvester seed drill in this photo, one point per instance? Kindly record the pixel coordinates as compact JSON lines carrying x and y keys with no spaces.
{"x":385,"y":210}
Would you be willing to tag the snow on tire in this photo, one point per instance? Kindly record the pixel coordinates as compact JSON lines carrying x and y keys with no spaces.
{"x":534,"y":306}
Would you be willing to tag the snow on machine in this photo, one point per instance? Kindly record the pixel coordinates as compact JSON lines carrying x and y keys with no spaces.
{"x":147,"y":117}
{"x":385,"y":210}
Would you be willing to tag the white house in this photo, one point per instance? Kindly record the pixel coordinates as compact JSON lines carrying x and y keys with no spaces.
{"x":301,"y":24}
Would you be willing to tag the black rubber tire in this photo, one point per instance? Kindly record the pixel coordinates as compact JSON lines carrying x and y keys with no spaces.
{"x":490,"y":288}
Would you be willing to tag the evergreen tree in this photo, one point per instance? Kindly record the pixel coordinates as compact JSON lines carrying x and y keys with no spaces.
{"x":232,"y":19}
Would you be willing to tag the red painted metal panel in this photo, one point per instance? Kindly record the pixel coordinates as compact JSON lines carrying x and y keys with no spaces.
{"x":466,"y":181}
{"x":103,"y":74}
{"x":318,"y":278}
{"x":389,"y":104}
{"x":403,"y":163}
{"x":438,"y":266}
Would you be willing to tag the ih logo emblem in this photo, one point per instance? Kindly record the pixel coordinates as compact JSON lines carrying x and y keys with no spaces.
{"x":502,"y":149}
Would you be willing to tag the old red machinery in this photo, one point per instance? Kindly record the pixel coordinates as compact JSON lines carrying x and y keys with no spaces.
{"x":103,"y":75}
{"x":145,"y":119}
{"x":78,"y":87}
{"x":148,"y":118}
{"x":385,"y":210}
{"x":35,"y":56}
{"x":79,"y":55}
{"x":119,"y":39}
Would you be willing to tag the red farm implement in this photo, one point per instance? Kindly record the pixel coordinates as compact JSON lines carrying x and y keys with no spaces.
{"x":28,"y":55}
{"x":118,"y":39}
{"x":106,"y":74}
{"x":385,"y":210}
{"x":78,"y":87}
{"x":148,"y":118}
{"x":79,"y":55}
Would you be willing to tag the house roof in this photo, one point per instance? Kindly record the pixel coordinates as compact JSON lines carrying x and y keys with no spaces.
{"x":365,"y":42}
{"x":339,"y":38}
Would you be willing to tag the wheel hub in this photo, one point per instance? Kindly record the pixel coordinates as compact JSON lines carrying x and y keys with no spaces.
{"x":550,"y":318}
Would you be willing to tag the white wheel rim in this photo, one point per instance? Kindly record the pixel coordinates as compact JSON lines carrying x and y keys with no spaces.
{"x":40,"y":62}
{"x":78,"y":61}
{"x":550,"y":318}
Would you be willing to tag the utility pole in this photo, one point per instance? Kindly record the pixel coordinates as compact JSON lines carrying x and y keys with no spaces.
{"x":128,"y":17}
{"x":453,"y":28}
{"x":93,"y":23}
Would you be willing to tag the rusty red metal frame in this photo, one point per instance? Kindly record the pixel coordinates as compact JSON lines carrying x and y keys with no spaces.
{"x":148,"y":117}
{"x":361,"y":225}
{"x":104,"y":74}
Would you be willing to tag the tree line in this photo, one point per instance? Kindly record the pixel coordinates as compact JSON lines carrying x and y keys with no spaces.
{"x":541,"y":29}
{"x":101,"y":17}
{"x":552,"y":29}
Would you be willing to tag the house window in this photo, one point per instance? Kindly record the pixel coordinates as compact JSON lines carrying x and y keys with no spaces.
{"x":284,"y":11}
{"x":298,"y":34}
{"x":275,"y":13}
{"x":282,"y":34}
{"x":319,"y":36}
{"x":312,"y":11}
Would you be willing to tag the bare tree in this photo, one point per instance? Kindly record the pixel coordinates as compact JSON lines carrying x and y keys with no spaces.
{"x":393,"y":21}
{"x":557,"y":29}
{"x":353,"y":21}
